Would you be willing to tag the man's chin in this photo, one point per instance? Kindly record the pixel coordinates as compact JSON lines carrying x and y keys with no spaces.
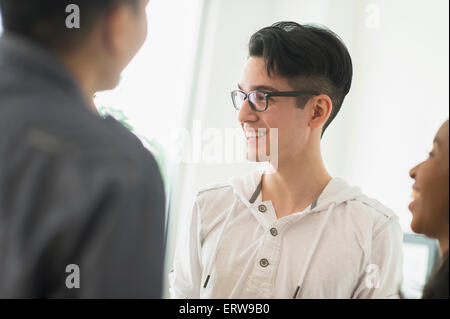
{"x":254,"y":157}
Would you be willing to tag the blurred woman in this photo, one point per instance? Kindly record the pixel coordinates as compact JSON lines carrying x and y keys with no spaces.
{"x":430,"y":208}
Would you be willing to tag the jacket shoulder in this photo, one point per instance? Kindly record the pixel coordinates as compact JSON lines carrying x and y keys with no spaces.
{"x":214,"y":189}
{"x":371,"y":211}
{"x":214,"y":198}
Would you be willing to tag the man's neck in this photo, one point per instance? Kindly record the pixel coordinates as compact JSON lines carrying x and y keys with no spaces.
{"x":296,"y":183}
{"x":86,"y":78}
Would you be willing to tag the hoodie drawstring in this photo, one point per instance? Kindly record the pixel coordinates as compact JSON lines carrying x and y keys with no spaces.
{"x":219,"y":241}
{"x":312,"y":250}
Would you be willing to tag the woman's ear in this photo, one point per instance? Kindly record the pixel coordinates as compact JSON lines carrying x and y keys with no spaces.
{"x":321,"y":110}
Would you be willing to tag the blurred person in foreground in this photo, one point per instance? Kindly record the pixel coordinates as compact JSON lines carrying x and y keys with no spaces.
{"x":430,"y":208}
{"x":81,"y":200}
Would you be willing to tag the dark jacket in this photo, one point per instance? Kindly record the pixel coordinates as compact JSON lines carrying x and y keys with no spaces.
{"x":75,"y":189}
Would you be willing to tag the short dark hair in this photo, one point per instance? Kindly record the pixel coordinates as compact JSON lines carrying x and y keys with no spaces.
{"x":44,"y":21}
{"x":310,"y":56}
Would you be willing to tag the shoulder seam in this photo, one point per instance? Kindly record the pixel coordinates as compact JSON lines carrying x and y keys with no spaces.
{"x":384,"y":226}
{"x":378,"y":207}
{"x":213,"y":187}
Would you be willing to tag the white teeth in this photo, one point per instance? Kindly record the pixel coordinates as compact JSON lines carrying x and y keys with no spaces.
{"x":253,"y":134}
{"x":415,"y":195}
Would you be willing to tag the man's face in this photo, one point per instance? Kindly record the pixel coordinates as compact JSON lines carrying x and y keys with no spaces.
{"x":430,"y":207}
{"x":136,"y":33}
{"x":282,"y":113}
{"x":125,"y":33}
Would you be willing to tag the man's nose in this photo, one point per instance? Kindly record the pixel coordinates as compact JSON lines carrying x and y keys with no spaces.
{"x":246,"y":113}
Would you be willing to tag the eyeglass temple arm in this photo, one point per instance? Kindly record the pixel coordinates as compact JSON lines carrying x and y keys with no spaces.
{"x":293,"y":93}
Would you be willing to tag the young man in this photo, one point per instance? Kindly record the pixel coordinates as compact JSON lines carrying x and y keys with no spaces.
{"x":296,"y":232}
{"x":81,"y":201}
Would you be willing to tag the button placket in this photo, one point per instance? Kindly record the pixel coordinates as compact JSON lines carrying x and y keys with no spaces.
{"x":264,"y":262}
{"x":262,"y":278}
{"x":265,"y":213}
{"x":274,"y":232}
{"x":262,"y":208}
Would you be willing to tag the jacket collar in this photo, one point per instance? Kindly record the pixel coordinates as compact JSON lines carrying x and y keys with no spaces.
{"x":33,"y":60}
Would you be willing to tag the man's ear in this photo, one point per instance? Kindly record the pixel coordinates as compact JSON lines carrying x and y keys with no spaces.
{"x":320,"y":111}
{"x":116,"y":30}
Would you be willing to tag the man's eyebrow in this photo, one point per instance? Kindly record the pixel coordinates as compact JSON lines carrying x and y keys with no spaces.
{"x":260,"y":88}
{"x":265,"y":88}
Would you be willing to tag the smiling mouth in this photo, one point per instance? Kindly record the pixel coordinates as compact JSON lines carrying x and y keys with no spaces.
{"x":254,"y":135}
{"x":415,"y":195}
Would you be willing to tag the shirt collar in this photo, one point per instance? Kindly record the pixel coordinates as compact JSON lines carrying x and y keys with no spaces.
{"x":257,"y":191}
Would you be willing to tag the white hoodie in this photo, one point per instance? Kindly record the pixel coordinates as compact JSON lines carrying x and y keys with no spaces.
{"x":345,"y":245}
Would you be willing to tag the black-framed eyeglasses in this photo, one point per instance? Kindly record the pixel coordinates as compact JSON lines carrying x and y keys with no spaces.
{"x":259,"y":100}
